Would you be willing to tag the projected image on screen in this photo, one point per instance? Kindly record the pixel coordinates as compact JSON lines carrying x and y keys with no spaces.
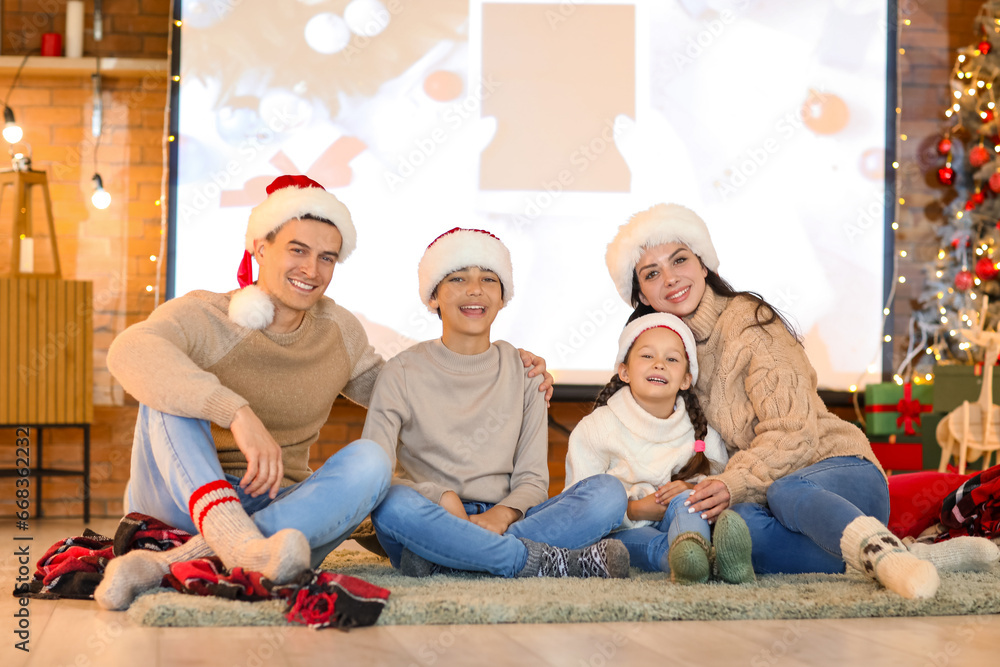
{"x":548,"y":124}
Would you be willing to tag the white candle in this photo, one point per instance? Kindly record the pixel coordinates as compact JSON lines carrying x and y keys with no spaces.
{"x":74,"y":29}
{"x":27,"y":255}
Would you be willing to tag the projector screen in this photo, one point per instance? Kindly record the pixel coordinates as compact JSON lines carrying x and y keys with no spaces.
{"x":548,"y":124}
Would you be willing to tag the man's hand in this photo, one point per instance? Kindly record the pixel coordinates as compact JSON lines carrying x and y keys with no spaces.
{"x":497,"y":518}
{"x":646,"y":509}
{"x":265,"y":469}
{"x":665,"y":493}
{"x":453,"y":504}
{"x":537,"y":365}
{"x":710,"y":497}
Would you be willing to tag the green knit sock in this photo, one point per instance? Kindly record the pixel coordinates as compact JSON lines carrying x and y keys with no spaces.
{"x":689,"y":559}
{"x":733,"y":549}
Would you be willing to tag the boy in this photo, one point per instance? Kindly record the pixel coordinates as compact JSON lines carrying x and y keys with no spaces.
{"x":469,"y":431}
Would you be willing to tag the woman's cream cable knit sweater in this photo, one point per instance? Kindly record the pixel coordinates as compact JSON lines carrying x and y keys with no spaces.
{"x":758,"y":390}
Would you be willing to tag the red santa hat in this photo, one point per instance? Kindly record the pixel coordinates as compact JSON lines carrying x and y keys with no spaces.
{"x":640,"y":324}
{"x":663,"y":223}
{"x":459,"y":249}
{"x":288,"y":198}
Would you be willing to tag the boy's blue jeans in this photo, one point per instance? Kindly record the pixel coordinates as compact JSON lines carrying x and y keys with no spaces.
{"x":799,"y":529}
{"x":173,"y":456}
{"x":648,"y":545}
{"x":577,"y":517}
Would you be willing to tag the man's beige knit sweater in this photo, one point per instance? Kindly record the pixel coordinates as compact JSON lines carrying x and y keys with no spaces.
{"x":758,"y":391}
{"x":189,"y":359}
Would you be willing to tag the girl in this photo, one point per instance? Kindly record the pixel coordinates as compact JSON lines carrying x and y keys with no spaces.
{"x":806,"y":483}
{"x":648,"y":431}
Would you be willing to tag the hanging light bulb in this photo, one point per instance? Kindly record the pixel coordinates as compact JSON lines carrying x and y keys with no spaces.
{"x":101,"y":199}
{"x":12,"y":132}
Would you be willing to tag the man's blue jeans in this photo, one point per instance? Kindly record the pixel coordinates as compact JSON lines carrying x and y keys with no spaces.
{"x":577,"y":517}
{"x":799,"y":529}
{"x":648,"y":546}
{"x":174,"y":456}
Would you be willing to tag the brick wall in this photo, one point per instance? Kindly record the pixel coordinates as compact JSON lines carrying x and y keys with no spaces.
{"x":113,"y":247}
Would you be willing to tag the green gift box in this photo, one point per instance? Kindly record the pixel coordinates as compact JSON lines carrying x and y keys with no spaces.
{"x":954,"y":383}
{"x":896,"y":409}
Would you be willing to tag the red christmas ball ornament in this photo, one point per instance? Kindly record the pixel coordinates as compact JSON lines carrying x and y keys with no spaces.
{"x":969,"y":205}
{"x":979,"y":156}
{"x":978,"y":198}
{"x":984,"y":47}
{"x":995,"y":182}
{"x":987,"y":269}
{"x":944,"y":146}
{"x":963,"y":280}
{"x":946,"y":175}
{"x":987,"y":115}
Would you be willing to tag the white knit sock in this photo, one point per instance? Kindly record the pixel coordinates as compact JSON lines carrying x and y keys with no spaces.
{"x":232,"y":534}
{"x":958,"y":554}
{"x":141,"y":569}
{"x":868,"y":546}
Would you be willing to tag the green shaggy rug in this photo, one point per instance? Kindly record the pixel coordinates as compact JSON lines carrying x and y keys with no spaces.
{"x":476,"y":599}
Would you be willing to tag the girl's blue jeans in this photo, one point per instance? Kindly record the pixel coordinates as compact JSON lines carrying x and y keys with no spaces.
{"x":648,"y":545}
{"x":578,"y":517}
{"x":173,"y":456}
{"x":799,"y":529}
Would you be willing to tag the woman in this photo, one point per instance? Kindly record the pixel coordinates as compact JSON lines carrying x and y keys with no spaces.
{"x":806,"y":482}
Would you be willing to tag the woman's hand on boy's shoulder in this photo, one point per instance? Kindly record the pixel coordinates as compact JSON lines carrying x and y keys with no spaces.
{"x":537,"y":366}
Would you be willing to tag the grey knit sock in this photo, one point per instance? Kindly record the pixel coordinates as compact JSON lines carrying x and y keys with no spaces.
{"x":606,"y":559}
{"x":412,"y":565}
{"x":959,"y":554}
{"x":141,"y":570}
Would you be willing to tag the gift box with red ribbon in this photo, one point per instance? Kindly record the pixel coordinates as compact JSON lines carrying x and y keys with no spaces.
{"x":895,"y":409}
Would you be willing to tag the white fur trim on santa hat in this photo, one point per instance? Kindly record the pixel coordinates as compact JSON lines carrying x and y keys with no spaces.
{"x":459,"y":249}
{"x":651,"y":321}
{"x":250,"y":307}
{"x":293,"y":202}
{"x":663,"y":223}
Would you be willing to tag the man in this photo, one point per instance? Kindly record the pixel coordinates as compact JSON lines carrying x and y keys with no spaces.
{"x":234,"y":389}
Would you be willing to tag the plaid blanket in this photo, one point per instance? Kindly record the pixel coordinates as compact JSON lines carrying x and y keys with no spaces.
{"x":74,"y":567}
{"x":974,"y":507}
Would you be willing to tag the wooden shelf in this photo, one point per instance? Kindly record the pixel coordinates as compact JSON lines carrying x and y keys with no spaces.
{"x":112,"y":67}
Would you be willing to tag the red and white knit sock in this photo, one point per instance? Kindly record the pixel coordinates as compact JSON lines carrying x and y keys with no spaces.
{"x":231,"y":533}
{"x":141,"y":569}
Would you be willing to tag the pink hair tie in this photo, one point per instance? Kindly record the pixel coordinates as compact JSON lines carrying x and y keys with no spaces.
{"x":699,"y":445}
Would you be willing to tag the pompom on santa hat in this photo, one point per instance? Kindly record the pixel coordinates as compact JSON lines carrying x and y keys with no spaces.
{"x":653,"y":321}
{"x":288,"y":198}
{"x":663,"y":223}
{"x":459,"y":249}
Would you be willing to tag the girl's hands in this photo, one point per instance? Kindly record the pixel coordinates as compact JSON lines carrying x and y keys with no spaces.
{"x":646,"y":509}
{"x":666,"y":492}
{"x":710,"y":497}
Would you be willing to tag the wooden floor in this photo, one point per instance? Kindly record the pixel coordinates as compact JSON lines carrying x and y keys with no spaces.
{"x":70,"y":632}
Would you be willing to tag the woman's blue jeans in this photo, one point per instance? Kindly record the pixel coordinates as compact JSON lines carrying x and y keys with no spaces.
{"x":577,"y":517}
{"x":174,"y":456}
{"x":799,"y":529}
{"x":648,"y":546}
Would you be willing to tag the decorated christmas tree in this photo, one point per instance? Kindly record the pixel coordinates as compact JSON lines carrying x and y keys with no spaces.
{"x":969,"y":175}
